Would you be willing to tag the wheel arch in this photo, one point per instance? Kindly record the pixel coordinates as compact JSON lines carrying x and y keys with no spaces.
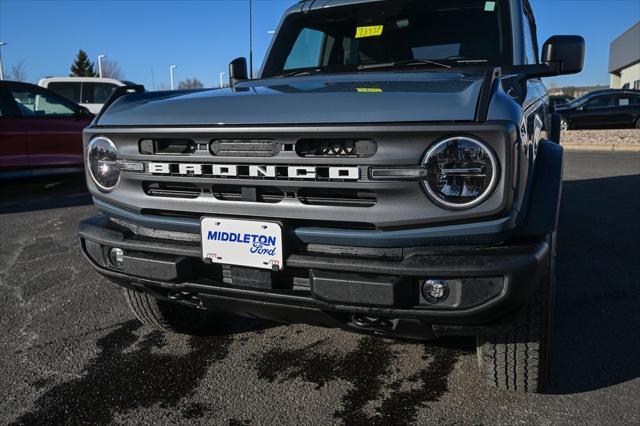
{"x":541,"y":215}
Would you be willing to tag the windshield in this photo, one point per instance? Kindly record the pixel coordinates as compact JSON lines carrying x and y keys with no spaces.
{"x":393,"y":33}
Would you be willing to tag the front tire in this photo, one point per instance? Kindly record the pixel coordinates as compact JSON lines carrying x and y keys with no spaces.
{"x":168,"y":316}
{"x":564,"y":125}
{"x":519,"y":360}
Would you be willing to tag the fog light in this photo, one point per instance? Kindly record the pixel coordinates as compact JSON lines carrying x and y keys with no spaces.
{"x":435,"y":291}
{"x":116,"y":256}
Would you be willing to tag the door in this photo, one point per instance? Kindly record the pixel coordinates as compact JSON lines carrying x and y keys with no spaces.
{"x":94,"y":95}
{"x":625,"y":110}
{"x":595,"y":112}
{"x":13,"y":135}
{"x":54,"y":127}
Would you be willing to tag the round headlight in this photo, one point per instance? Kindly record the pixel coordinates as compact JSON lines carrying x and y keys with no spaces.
{"x":461,"y":172}
{"x":102,"y":162}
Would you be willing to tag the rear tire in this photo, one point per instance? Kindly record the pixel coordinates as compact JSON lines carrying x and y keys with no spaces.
{"x":519,"y":360}
{"x":168,"y":316}
{"x":564,"y":125}
{"x":638,"y":123}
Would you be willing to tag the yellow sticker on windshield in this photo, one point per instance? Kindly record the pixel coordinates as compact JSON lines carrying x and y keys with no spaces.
{"x":372,"y":31}
{"x":369,"y":90}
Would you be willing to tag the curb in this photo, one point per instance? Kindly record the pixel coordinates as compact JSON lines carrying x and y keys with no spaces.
{"x":612,"y":147}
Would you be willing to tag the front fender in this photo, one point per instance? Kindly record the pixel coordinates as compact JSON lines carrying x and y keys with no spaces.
{"x":541,"y":216}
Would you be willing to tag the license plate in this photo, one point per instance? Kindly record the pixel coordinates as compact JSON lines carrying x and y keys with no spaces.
{"x":242,"y":242}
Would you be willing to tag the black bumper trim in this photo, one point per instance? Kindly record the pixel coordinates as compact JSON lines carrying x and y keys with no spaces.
{"x":520,"y":265}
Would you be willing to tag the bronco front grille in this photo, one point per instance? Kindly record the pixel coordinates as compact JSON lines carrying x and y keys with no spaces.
{"x":171,"y":189}
{"x":263,"y":194}
{"x":314,"y":174}
{"x":245,"y":193}
{"x":336,"y":148}
{"x":337,"y":197}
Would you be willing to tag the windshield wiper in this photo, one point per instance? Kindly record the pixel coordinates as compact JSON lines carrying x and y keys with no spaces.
{"x":300,"y":72}
{"x":407,"y":63}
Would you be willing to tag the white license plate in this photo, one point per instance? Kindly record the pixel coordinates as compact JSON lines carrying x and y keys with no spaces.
{"x":242,"y":242}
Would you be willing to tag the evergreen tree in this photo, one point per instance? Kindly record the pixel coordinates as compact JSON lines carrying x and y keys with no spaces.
{"x":82,"y":66}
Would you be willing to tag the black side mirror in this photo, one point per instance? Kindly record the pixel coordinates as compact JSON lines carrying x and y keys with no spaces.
{"x":561,"y":55}
{"x":83,"y":112}
{"x":237,"y":71}
{"x":564,"y":54}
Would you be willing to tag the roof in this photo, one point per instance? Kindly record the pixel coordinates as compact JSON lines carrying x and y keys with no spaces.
{"x":81,"y":79}
{"x":320,"y":4}
{"x":614,"y":92}
{"x":625,"y":50}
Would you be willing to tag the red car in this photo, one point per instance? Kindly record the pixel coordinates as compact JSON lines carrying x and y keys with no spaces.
{"x":40,"y":131}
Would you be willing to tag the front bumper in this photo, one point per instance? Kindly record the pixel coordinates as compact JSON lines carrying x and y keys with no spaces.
{"x":364,"y":289}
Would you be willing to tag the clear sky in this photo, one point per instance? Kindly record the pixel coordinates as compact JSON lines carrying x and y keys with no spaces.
{"x":201,"y":37}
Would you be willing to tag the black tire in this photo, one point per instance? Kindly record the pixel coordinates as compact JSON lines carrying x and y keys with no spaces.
{"x":168,"y":316}
{"x":520,"y":359}
{"x":564,"y":125}
{"x":638,"y":123}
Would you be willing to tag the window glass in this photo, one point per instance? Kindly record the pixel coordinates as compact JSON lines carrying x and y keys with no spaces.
{"x":624,"y":101}
{"x":529,"y":45}
{"x":37,"y":104}
{"x":305,"y":52}
{"x":598,"y":102}
{"x":97,"y":93}
{"x":68,"y":89}
{"x":454,"y":32}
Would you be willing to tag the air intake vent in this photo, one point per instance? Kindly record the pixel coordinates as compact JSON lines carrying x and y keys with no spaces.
{"x":244,"y":148}
{"x":337,"y":197}
{"x":169,"y":146}
{"x":172,"y":190}
{"x":244,"y":193}
{"x":339,"y":148}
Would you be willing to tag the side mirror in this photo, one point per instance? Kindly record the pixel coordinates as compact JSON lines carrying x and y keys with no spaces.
{"x":560,"y":55}
{"x":83,"y":112}
{"x":237,"y":71}
{"x":564,"y":54}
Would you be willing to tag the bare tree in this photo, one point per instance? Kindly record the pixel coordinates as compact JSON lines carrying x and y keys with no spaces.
{"x":190,"y":83}
{"x":111,"y":69}
{"x":18,"y":72}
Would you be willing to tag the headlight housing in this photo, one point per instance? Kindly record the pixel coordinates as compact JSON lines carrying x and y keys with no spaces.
{"x":462,"y":172}
{"x":102,"y":162}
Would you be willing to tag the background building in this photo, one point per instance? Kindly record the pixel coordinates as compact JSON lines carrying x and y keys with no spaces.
{"x":624,"y":60}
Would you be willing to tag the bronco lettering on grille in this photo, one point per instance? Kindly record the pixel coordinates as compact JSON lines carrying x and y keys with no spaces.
{"x":255,"y":171}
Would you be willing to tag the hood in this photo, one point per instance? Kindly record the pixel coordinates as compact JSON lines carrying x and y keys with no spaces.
{"x":320,"y":99}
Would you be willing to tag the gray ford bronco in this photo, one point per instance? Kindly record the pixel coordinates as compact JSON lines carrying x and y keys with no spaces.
{"x":394,"y":169}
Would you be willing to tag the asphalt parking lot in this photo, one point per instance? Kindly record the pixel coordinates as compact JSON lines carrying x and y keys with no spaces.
{"x":71,"y":352}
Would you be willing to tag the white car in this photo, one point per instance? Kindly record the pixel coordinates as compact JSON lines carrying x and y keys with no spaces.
{"x":90,"y":92}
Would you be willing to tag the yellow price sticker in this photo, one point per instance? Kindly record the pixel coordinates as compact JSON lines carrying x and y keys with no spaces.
{"x":369,"y":90}
{"x":372,"y":31}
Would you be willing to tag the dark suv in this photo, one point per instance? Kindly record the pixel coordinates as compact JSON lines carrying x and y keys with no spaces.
{"x":602,"y":109}
{"x":385,"y":173}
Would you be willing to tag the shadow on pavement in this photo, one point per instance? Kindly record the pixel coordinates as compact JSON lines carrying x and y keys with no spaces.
{"x":597,"y":337}
{"x":42,"y":193}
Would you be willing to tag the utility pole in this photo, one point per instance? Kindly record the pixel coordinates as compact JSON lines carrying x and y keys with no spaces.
{"x":171,"y":68}
{"x":251,"y":39}
{"x":221,"y":80}
{"x":100,"y":65}
{"x":2,"y":43}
